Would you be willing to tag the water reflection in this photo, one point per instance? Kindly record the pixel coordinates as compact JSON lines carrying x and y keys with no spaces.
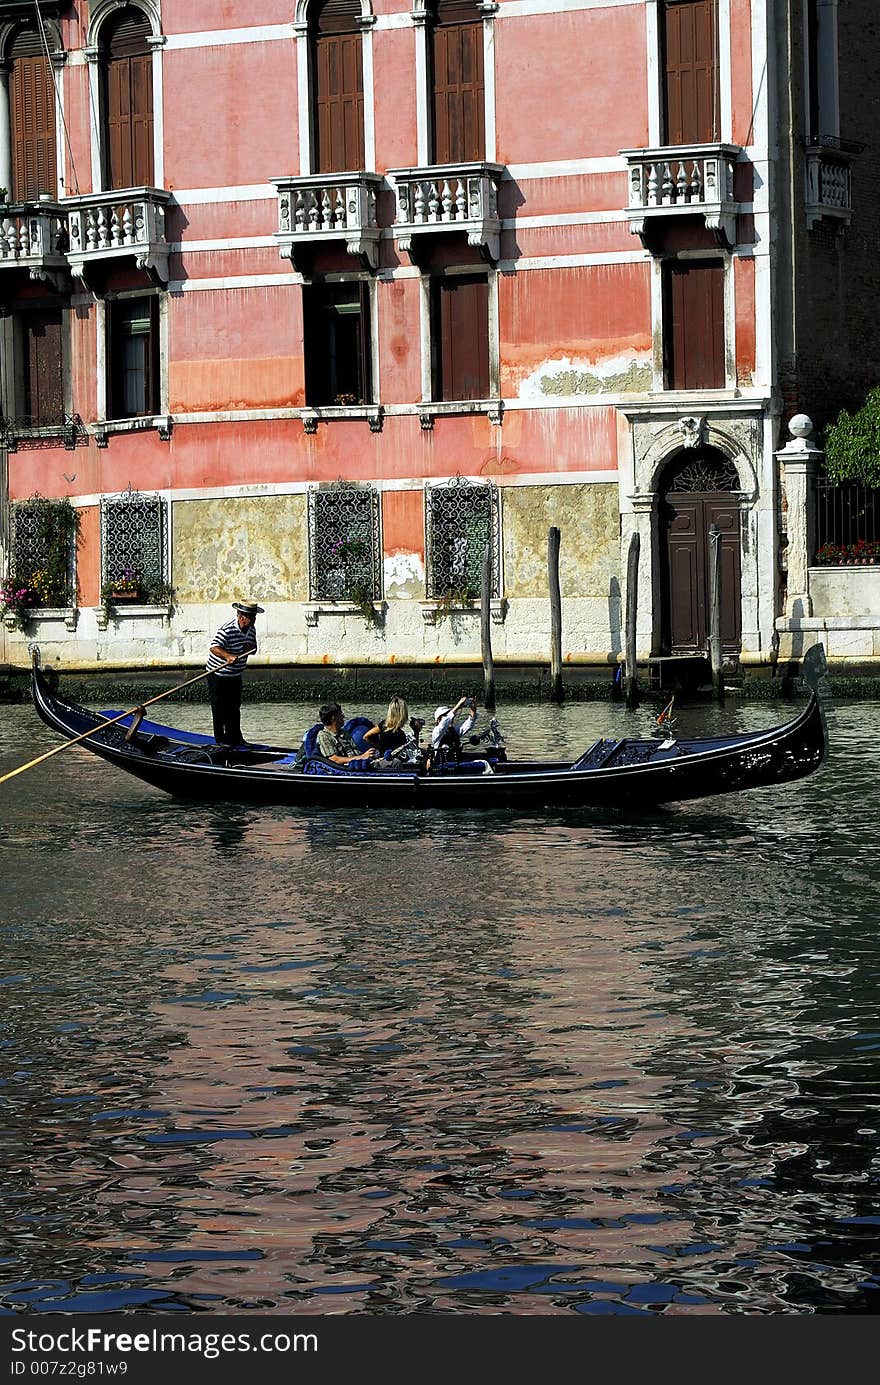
{"x":252,"y":1059}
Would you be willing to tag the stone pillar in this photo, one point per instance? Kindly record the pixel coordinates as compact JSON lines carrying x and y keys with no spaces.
{"x":639,"y":518}
{"x":800,"y":460}
{"x":5,"y":134}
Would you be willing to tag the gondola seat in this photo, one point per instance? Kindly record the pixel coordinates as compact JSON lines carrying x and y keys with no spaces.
{"x":356,"y":726}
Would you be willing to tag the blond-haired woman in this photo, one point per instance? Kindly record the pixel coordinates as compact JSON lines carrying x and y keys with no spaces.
{"x":394,"y":731}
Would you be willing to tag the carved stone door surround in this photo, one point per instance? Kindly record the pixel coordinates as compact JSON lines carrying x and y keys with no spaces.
{"x":657,"y":433}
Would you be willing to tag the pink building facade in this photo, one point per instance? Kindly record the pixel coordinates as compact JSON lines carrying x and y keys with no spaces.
{"x":316,"y":304}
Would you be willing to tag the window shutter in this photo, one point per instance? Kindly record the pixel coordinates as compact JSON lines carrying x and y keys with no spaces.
{"x":339,"y":102}
{"x":128,"y":86}
{"x":44,"y":382}
{"x":458,"y":101}
{"x":32,"y":111}
{"x":462,"y":337}
{"x":695,"y":341}
{"x":690,"y":39}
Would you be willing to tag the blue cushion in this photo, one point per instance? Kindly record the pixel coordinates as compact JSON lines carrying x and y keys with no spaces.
{"x":310,"y":740}
{"x":356,"y":726}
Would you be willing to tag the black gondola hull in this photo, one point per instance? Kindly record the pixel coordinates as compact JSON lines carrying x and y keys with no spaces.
{"x":638,"y":774}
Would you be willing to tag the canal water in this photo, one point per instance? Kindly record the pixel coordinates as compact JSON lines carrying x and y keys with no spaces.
{"x":253,"y":1060}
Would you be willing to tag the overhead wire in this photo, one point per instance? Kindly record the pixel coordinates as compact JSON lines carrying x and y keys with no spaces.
{"x":58,"y":101}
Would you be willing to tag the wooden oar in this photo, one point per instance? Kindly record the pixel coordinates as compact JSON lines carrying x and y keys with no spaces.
{"x":111,"y":721}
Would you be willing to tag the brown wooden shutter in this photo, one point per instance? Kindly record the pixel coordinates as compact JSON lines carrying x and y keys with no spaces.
{"x":694,"y":325}
{"x":461,"y":337}
{"x":457,"y":85}
{"x":337,"y":67}
{"x":32,"y":111}
{"x":690,"y":42}
{"x":129,"y":102}
{"x":44,"y":377}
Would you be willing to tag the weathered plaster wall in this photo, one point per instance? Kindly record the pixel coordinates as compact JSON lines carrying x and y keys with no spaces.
{"x":588,"y":521}
{"x":237,"y":548}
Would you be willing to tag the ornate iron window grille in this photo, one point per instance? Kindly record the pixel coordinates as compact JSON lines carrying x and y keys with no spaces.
{"x":34,"y":551}
{"x":133,"y":542}
{"x":344,"y":543}
{"x":461,"y":518}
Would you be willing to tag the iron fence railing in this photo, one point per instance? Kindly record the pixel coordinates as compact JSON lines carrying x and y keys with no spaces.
{"x":847,"y":522}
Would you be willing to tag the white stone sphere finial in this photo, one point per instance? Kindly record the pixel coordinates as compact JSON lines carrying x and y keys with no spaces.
{"x":800,"y":426}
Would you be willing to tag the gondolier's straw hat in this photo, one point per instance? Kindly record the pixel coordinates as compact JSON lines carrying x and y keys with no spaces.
{"x":248,"y":608}
{"x":441,"y":712}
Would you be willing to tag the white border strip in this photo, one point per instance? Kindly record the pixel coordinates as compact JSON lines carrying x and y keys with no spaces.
{"x":416,"y":483}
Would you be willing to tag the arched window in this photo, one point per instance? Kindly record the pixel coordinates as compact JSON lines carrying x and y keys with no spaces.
{"x":456,"y":79}
{"x":127,"y":80}
{"x":32,"y":117}
{"x":337,"y":86}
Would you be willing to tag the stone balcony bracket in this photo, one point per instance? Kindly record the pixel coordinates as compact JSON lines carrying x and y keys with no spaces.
{"x":828,"y":193}
{"x":316,"y":609}
{"x":373,"y":413}
{"x":429,"y":410}
{"x":328,"y":207}
{"x":683,"y":180}
{"x":434,"y":612}
{"x":448,"y":198}
{"x":120,"y":224}
{"x":33,"y":236}
{"x":68,"y":614}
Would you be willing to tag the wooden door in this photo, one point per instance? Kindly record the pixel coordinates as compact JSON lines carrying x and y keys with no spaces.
{"x":693,"y":328}
{"x":32,"y":118}
{"x":338,"y":84}
{"x":461,"y":337}
{"x":685,"y":551}
{"x":692,"y":105}
{"x":128,"y":79}
{"x":457,"y":85}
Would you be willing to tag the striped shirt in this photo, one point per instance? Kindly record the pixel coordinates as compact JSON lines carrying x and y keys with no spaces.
{"x":239,"y":642}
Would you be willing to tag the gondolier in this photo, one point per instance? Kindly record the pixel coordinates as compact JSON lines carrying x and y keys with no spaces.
{"x":230,"y":649}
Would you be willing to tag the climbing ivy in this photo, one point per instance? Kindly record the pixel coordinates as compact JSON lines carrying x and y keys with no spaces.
{"x":852,"y":443}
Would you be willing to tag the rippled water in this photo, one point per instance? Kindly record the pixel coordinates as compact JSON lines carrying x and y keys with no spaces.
{"x":371,"y":1063}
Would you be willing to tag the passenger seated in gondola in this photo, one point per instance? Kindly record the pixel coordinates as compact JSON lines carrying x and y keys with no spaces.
{"x":446,"y":737}
{"x":334,"y":742}
{"x":393,"y":739}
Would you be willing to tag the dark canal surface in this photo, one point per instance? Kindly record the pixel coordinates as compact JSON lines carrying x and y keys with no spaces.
{"x":462,"y":1064}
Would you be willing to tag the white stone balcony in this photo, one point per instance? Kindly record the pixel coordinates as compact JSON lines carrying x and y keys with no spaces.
{"x":828,"y":190}
{"x":127,"y":223}
{"x":328,"y":207}
{"x":683,"y":180}
{"x":449,"y":197}
{"x":33,"y":236}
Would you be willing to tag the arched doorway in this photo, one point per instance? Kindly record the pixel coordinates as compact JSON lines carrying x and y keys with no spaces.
{"x":698,"y":490}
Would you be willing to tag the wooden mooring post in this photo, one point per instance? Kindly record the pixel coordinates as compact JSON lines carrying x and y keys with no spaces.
{"x":715,"y":663}
{"x":486,"y":632}
{"x":632,"y":600}
{"x":553,"y":538}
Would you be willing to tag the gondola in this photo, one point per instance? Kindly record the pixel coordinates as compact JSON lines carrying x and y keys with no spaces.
{"x":627,"y":772}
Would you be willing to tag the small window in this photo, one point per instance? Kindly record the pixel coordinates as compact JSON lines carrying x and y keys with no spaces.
{"x":133,"y":547}
{"x":39,"y":368}
{"x":460,"y":337}
{"x":693,"y":324}
{"x":336,"y":332}
{"x":344,"y":547}
{"x":133,"y":356}
{"x":461,"y":520}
